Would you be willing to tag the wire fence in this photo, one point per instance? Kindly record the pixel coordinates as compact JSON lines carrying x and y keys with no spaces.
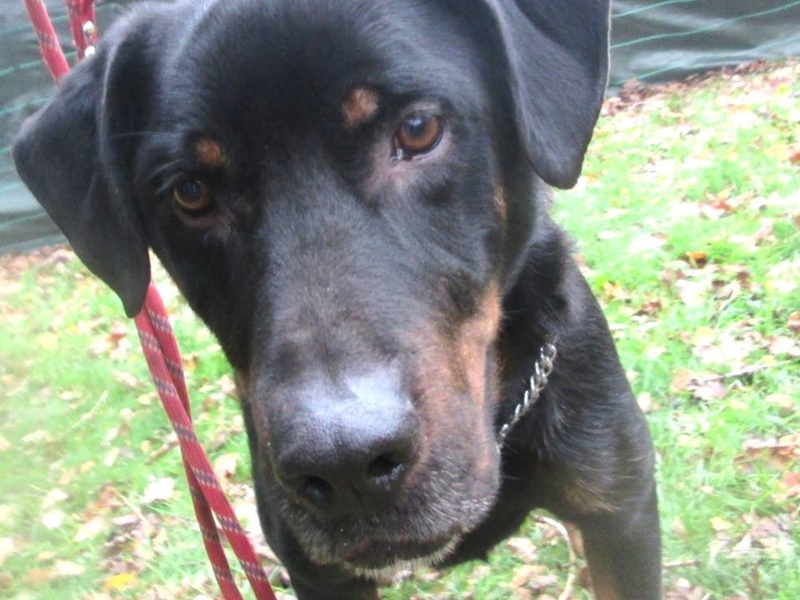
{"x":652,"y":41}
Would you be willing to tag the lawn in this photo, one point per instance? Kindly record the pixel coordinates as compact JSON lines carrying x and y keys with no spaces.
{"x":687,"y":224}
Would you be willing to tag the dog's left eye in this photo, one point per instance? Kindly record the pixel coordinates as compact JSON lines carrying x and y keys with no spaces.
{"x":193,"y":196}
{"x":417,"y":135}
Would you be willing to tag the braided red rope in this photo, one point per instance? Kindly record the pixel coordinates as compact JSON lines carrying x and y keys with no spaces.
{"x":52,"y":55}
{"x":83,"y":24}
{"x":164,"y":360}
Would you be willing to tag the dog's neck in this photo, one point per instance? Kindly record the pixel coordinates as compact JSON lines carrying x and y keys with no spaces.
{"x":536,"y":385}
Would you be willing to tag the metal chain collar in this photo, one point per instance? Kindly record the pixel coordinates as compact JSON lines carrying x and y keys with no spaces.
{"x":538,"y":381}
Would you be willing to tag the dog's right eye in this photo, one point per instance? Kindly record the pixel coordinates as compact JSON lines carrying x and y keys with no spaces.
{"x":193,"y":196}
{"x":417,"y":135}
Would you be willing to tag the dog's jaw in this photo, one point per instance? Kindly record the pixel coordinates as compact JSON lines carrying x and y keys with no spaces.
{"x":390,"y":572}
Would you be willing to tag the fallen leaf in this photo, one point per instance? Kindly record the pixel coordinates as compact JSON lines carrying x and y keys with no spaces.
{"x":225,"y":465}
{"x":53,"y":519}
{"x":120,"y":582}
{"x":794,"y":322}
{"x":7,"y":548}
{"x":679,"y":529}
{"x":692,"y":293}
{"x":696,"y":258}
{"x":789,"y":487}
{"x":66,"y":568}
{"x":784,"y":345}
{"x":38,"y":437}
{"x":47,"y":341}
{"x":719,"y":524}
{"x":524,"y":548}
{"x":702,"y":386}
{"x":159,"y":490}
{"x":91,"y":529}
{"x":6,"y":514}
{"x":39,"y":576}
{"x":779,"y":452}
{"x":53,"y":497}
{"x":111,"y":457}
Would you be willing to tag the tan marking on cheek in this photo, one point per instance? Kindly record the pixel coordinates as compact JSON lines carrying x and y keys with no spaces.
{"x":360,"y":107}
{"x":449,"y":374}
{"x":475,"y":339}
{"x":210,"y":153}
{"x":473,"y":348}
{"x":501,"y":203}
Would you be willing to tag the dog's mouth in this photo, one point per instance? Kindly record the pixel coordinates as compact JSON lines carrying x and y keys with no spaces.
{"x":385,"y":558}
{"x":381,"y":547}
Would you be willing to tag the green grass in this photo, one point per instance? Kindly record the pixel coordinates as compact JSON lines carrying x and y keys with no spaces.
{"x":687,"y":222}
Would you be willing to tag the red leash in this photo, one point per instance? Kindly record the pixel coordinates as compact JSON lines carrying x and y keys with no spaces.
{"x":163,"y":358}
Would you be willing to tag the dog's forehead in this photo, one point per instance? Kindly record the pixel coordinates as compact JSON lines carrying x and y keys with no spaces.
{"x":287,"y":54}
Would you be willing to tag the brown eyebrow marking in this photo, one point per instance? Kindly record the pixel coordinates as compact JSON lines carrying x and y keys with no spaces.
{"x":210,"y":153}
{"x":360,"y":107}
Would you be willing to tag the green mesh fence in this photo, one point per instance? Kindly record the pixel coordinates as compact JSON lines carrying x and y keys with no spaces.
{"x":652,"y":41}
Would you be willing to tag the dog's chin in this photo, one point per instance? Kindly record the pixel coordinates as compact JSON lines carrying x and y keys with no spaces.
{"x":380,"y":549}
{"x":385,"y":560}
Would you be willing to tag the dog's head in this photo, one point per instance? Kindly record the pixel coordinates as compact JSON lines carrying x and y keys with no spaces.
{"x":343,"y":192}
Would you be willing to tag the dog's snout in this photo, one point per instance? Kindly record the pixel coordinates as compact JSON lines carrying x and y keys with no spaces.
{"x":347,"y":449}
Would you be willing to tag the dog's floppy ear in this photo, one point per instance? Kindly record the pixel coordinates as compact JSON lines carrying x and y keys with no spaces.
{"x":557,"y":55}
{"x":72,"y":155}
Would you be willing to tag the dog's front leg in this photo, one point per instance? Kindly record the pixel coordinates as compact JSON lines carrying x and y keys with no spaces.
{"x":623,"y":550}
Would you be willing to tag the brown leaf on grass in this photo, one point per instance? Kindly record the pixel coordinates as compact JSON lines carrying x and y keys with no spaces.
{"x":729,"y":349}
{"x":61,"y":568}
{"x":781,"y":345}
{"x":651,"y":306}
{"x":683,"y":589}
{"x":91,"y":529}
{"x":116,"y":343}
{"x":793,"y":322}
{"x":789,"y":487}
{"x":702,"y":386}
{"x":536,"y":578}
{"x":785,"y":403}
{"x":523,"y":548}
{"x":696,"y":258}
{"x":679,"y":529}
{"x":777,"y":452}
{"x":716,"y":209}
{"x":614,"y":291}
{"x":772,"y":535}
{"x":225,"y":465}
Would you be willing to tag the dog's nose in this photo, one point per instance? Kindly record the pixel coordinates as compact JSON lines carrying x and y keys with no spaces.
{"x":347,"y":450}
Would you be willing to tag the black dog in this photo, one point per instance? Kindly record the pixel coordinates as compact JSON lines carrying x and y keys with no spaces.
{"x":352,"y":195}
